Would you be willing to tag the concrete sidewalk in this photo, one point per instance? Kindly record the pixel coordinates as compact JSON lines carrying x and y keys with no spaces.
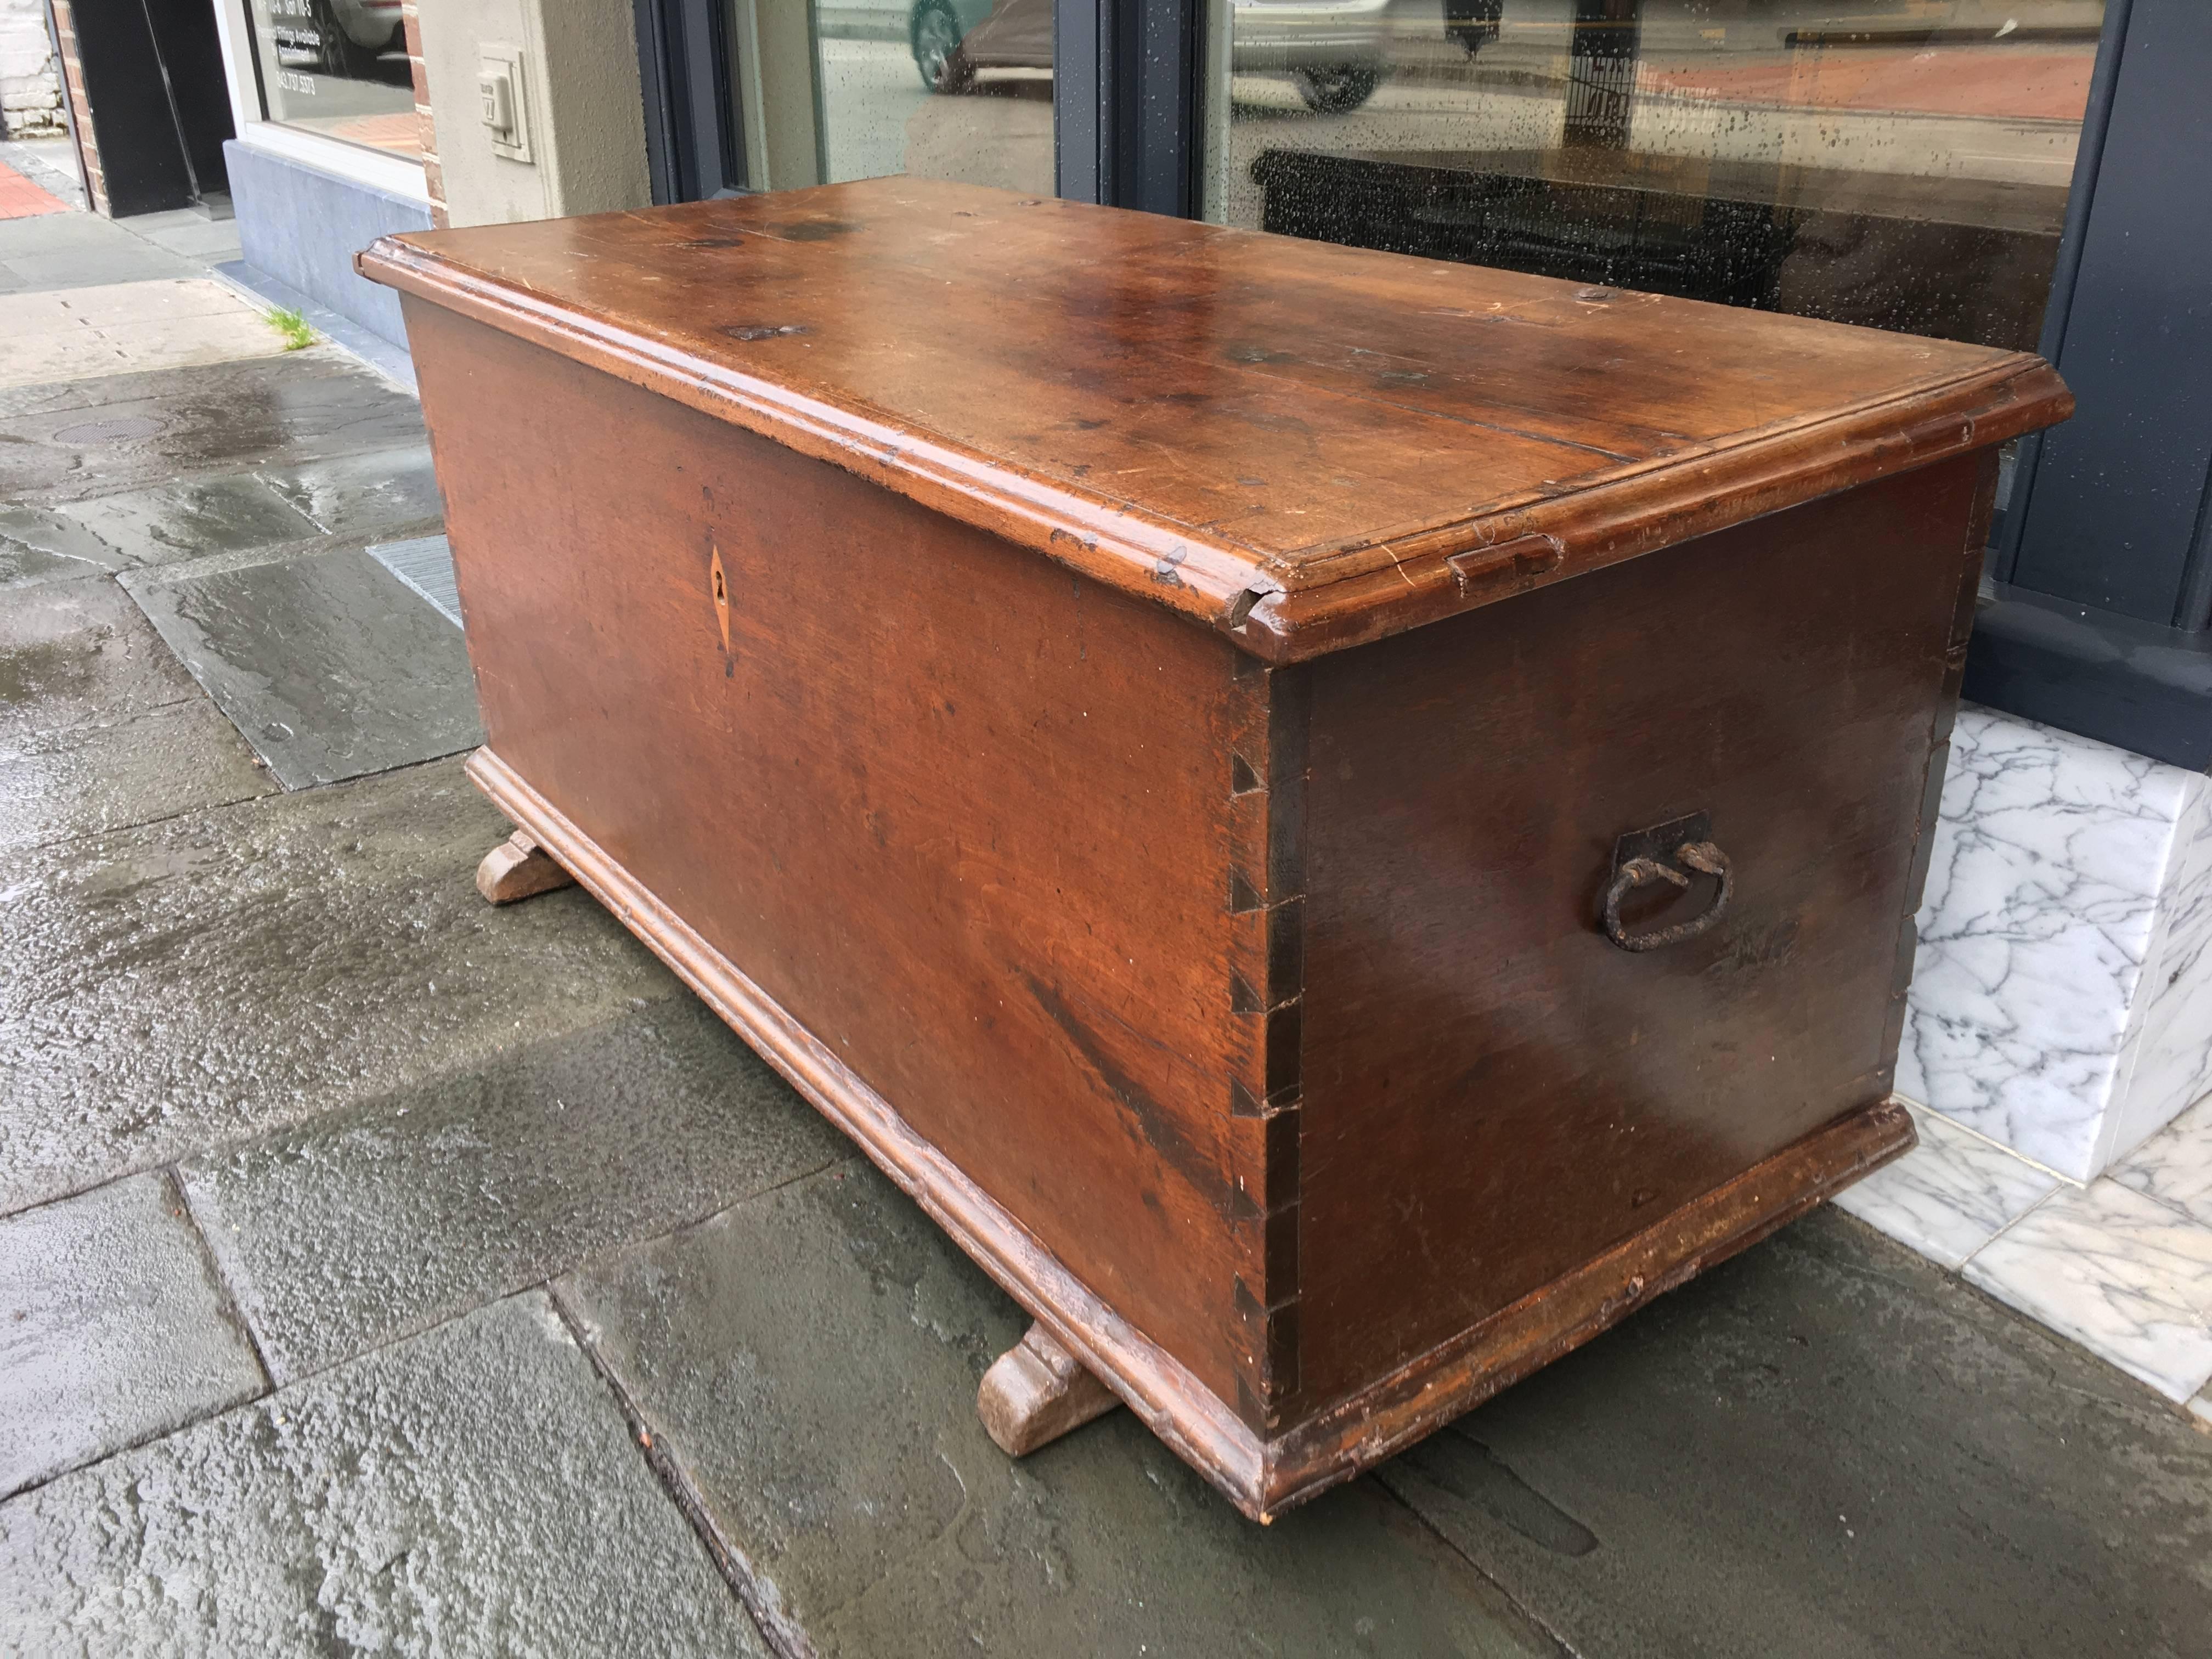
{"x":383,"y":1272}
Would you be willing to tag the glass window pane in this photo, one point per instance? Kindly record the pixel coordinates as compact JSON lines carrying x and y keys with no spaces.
{"x":1899,"y":163}
{"x":339,"y":68}
{"x":832,"y":90}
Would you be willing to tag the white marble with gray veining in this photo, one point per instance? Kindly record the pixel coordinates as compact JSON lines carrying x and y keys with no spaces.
{"x":2168,"y":1066}
{"x":2174,"y":1166}
{"x":2050,"y":866}
{"x":1950,"y":1194}
{"x":2123,"y":1275}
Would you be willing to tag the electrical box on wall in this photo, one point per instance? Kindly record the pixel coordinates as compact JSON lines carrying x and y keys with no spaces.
{"x":503,"y":91}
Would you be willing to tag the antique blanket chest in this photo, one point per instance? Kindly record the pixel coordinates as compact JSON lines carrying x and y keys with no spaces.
{"x":1340,"y":822}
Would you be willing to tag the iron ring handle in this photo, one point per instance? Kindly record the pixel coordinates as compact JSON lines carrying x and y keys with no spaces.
{"x":1700,"y":855}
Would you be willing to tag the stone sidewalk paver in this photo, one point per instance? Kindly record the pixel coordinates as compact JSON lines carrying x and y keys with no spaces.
{"x":366,"y":1225}
{"x":122,"y":328}
{"x":1827,"y":1447}
{"x":810,"y":1361}
{"x":330,"y":666}
{"x":472,"y":1491}
{"x":161,"y":429}
{"x":101,"y":727}
{"x":191,"y":983}
{"x":1822,"y":1447}
{"x":116,"y":1329}
{"x":78,"y":250}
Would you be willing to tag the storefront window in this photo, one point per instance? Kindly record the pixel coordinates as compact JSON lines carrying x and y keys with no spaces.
{"x":337,"y":68}
{"x":1899,"y":163}
{"x":833,"y":90}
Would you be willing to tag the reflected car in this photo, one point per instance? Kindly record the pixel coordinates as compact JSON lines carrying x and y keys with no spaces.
{"x":1333,"y":49}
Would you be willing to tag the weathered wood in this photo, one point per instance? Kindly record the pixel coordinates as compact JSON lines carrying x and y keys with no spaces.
{"x":519,"y":868}
{"x":1036,"y":1392}
{"x":1263,"y":1474}
{"x":1202,"y":921}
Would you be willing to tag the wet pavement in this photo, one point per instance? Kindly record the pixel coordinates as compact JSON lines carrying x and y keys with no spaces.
{"x":100,"y":726}
{"x":374,"y":1222}
{"x":119,"y":1329}
{"x":328,"y":663}
{"x":475,"y":1491}
{"x":179,"y":427}
{"x":383,"y":1272}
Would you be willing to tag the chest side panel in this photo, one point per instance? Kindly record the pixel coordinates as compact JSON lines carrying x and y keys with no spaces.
{"x":964,"y":816}
{"x":1494,"y":1091}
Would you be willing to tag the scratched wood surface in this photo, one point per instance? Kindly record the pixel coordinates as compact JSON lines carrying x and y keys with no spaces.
{"x":1220,"y":963}
{"x":1290,"y":440}
{"x":965,"y":817}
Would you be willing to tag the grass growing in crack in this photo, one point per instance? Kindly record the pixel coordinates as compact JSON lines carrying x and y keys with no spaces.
{"x":294,"y":327}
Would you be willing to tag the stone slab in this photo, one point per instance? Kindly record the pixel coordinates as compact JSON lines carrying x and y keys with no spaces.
{"x":113,"y":1328}
{"x":107,"y":774}
{"x":191,"y":983}
{"x":2122,"y":1274}
{"x":100,"y":726}
{"x":809,"y":1360}
{"x":116,"y":328}
{"x":379,"y":1221}
{"x":79,"y":653}
{"x":128,"y":304}
{"x":94,"y":267}
{"x":192,"y":236}
{"x":1828,"y":1447}
{"x":355,"y":496}
{"x":77,"y":439}
{"x":43,"y":544}
{"x":190,"y":518}
{"x":472,"y":1491}
{"x":330,"y":666}
{"x":65,"y":232}
{"x":183,"y":342}
{"x":2048,"y":1010}
{"x":352,"y":492}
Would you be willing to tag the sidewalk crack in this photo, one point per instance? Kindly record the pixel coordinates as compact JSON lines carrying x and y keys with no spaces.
{"x":759,"y":1594}
{"x":1561,"y":1647}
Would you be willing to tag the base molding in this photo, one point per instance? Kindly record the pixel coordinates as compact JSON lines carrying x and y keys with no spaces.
{"x":1261,"y":1477}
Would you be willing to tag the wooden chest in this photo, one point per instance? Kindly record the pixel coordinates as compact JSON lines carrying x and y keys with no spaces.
{"x":1178,"y":740}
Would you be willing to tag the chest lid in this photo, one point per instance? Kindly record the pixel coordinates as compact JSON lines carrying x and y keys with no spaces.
{"x":1303,"y":445}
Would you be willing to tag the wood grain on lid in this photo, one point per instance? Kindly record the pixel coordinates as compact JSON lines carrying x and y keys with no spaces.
{"x":1289,"y":440}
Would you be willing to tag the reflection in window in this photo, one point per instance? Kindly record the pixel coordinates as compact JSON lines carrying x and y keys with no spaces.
{"x":339,"y":68}
{"x":1899,"y":163}
{"x":831,"y":90}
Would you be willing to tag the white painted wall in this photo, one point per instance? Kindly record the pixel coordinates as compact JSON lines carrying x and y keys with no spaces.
{"x":30,"y":77}
{"x":587,"y":114}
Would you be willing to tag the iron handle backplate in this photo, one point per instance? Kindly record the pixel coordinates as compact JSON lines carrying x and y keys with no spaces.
{"x":1665,"y":855}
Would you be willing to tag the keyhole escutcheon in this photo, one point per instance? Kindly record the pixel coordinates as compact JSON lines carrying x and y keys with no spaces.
{"x":722,"y":587}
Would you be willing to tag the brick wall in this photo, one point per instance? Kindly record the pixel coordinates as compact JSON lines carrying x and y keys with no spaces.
{"x":434,"y":176}
{"x":80,"y":104}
